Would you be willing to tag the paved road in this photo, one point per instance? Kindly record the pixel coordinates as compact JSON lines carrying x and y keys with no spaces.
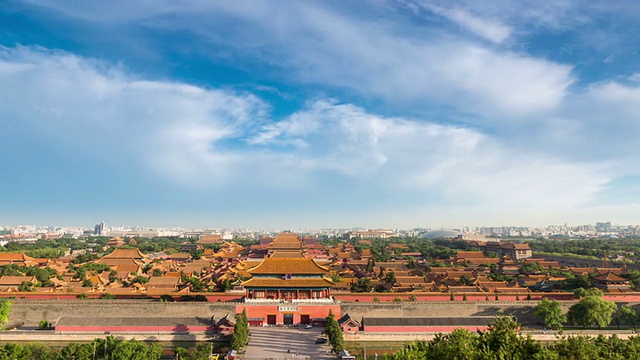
{"x":286,"y":343}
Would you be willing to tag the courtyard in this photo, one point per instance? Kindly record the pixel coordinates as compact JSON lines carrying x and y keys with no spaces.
{"x":286,"y":343}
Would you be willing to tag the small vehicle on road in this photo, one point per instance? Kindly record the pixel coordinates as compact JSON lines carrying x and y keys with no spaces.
{"x":308,"y":326}
{"x":321,"y":341}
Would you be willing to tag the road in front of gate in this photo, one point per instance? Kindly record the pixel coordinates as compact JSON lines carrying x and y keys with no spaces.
{"x":267,"y":343}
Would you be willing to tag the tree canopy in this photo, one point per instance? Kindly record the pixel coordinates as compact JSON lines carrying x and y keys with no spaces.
{"x":592,"y":310}
{"x":334,"y":333}
{"x":502,"y":341}
{"x":5,"y":308}
{"x":550,"y":314}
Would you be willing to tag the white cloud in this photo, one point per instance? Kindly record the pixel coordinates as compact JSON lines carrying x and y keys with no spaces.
{"x":169,"y":127}
{"x":378,"y":58}
{"x":489,"y":30}
{"x":182,"y":131}
{"x":460,"y":165}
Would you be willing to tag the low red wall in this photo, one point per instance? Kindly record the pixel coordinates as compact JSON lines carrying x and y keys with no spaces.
{"x":390,"y":297}
{"x":420,"y":329}
{"x":635,"y":297}
{"x":164,"y":329}
{"x":211,"y":297}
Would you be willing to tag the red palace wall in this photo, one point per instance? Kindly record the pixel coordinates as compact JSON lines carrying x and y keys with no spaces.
{"x":634,"y":297}
{"x":420,"y":329}
{"x":313,"y":311}
{"x":390,"y":297}
{"x":150,"y":329}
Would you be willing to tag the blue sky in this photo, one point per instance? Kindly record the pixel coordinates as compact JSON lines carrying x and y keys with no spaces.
{"x":298,"y":114}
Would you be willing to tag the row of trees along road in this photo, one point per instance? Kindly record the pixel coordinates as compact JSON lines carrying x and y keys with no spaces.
{"x":591,"y":311}
{"x":108,"y":348}
{"x":502,"y":341}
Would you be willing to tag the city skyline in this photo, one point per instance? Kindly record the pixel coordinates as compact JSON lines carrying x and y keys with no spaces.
{"x":383,"y":114}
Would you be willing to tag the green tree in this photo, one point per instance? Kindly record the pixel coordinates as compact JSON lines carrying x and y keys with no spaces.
{"x":334,"y":333}
{"x":113,"y":276}
{"x":579,"y":293}
{"x":459,"y":344}
{"x":25,"y":286}
{"x":390,"y":278}
{"x":107,"y":296}
{"x":240,"y":331}
{"x":44,"y":324}
{"x":15,"y":351}
{"x":157,"y":273}
{"x":550,"y":314}
{"x":201,"y":352}
{"x":77,"y":351}
{"x":465,"y":280}
{"x":579,"y":281}
{"x":576,"y":347}
{"x":592,"y":310}
{"x":362,"y":285}
{"x":135,"y":350}
{"x":181,"y":353}
{"x":226,"y":285}
{"x":140,"y":279}
{"x":503,"y":341}
{"x":628,"y":316}
{"x":531,"y":268}
{"x":5,"y":308}
{"x":370,"y":266}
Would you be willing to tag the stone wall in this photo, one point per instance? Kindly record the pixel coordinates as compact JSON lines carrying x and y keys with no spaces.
{"x":31,"y":312}
{"x":522,"y":310}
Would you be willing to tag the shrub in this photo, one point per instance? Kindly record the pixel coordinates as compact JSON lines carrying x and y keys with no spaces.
{"x":44,"y":324}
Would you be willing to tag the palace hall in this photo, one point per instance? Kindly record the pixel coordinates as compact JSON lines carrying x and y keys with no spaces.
{"x":286,"y":287}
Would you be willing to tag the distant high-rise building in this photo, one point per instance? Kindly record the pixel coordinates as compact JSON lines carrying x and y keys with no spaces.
{"x":100,"y":229}
{"x":603,"y":226}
